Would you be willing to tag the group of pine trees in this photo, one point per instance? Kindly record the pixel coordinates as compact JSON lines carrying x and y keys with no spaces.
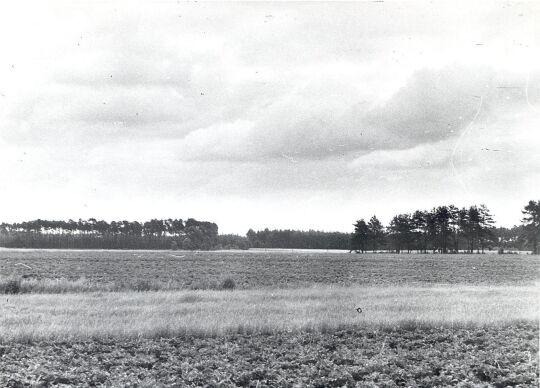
{"x":99,"y":234}
{"x":447,"y":229}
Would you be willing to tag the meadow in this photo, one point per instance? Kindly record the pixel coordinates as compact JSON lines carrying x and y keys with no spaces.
{"x":146,"y":318}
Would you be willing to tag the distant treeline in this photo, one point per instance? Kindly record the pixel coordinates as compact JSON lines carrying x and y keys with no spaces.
{"x":517,"y":238}
{"x":509,"y":239}
{"x":448,"y":229}
{"x":94,"y":234}
{"x":296,"y":239}
{"x":443,"y":229}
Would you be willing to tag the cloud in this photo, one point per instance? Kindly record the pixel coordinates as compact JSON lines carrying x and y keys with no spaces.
{"x":224,"y":142}
{"x":420,"y":157}
{"x":433,"y":105}
{"x":314,"y":123}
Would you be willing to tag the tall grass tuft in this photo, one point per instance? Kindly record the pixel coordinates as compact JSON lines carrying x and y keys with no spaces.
{"x":142,"y":285}
{"x":228,"y":284}
{"x":10,"y":286}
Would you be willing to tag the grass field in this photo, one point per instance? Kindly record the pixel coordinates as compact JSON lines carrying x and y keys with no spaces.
{"x":209,"y":313}
{"x":426,"y":320}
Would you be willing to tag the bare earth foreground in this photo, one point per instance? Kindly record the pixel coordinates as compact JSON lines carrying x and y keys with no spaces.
{"x":426,"y":320}
{"x":365,"y":357}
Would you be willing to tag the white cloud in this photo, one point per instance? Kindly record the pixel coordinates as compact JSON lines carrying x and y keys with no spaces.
{"x":416,"y":158}
{"x":227,"y":141}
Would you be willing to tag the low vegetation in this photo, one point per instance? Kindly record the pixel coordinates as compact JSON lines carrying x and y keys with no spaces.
{"x":166,"y":314}
{"x":40,"y":271}
{"x":405,"y":356}
{"x":62,"y":286}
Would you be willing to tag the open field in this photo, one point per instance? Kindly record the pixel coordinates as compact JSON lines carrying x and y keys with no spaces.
{"x":427,"y":320}
{"x":121,"y":270}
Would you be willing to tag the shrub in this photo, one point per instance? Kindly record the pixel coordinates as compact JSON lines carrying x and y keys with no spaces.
{"x":144,"y":285}
{"x":228,"y":284}
{"x":174,"y":246}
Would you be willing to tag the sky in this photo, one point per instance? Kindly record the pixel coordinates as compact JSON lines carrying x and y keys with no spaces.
{"x":279,"y":115}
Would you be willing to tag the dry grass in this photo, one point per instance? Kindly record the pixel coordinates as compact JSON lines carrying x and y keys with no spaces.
{"x":31,"y":317}
{"x":18,"y":285}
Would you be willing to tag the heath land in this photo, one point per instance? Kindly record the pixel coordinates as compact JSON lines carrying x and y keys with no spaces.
{"x":267,"y":318}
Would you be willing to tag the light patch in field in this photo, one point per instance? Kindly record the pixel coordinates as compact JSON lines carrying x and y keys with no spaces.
{"x":154,"y":314}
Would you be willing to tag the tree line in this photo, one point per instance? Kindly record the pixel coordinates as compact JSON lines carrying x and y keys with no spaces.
{"x":442,"y":229}
{"x":447,"y":229}
{"x":99,"y":234}
{"x":296,"y":239}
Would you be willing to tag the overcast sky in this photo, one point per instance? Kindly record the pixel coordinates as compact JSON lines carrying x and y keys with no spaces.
{"x":279,"y":115}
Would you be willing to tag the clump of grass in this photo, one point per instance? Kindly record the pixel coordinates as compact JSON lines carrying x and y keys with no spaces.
{"x":10,"y":286}
{"x":228,"y":284}
{"x":142,"y":285}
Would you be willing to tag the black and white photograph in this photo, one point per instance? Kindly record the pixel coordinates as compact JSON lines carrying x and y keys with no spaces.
{"x":269,"y":193}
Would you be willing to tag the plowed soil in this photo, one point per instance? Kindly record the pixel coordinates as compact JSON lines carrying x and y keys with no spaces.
{"x":361,"y":357}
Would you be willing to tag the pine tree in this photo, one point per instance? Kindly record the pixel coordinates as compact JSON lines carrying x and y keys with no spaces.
{"x":360,"y":239}
{"x":485,"y":226}
{"x":376,"y":233}
{"x":531,"y":220}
